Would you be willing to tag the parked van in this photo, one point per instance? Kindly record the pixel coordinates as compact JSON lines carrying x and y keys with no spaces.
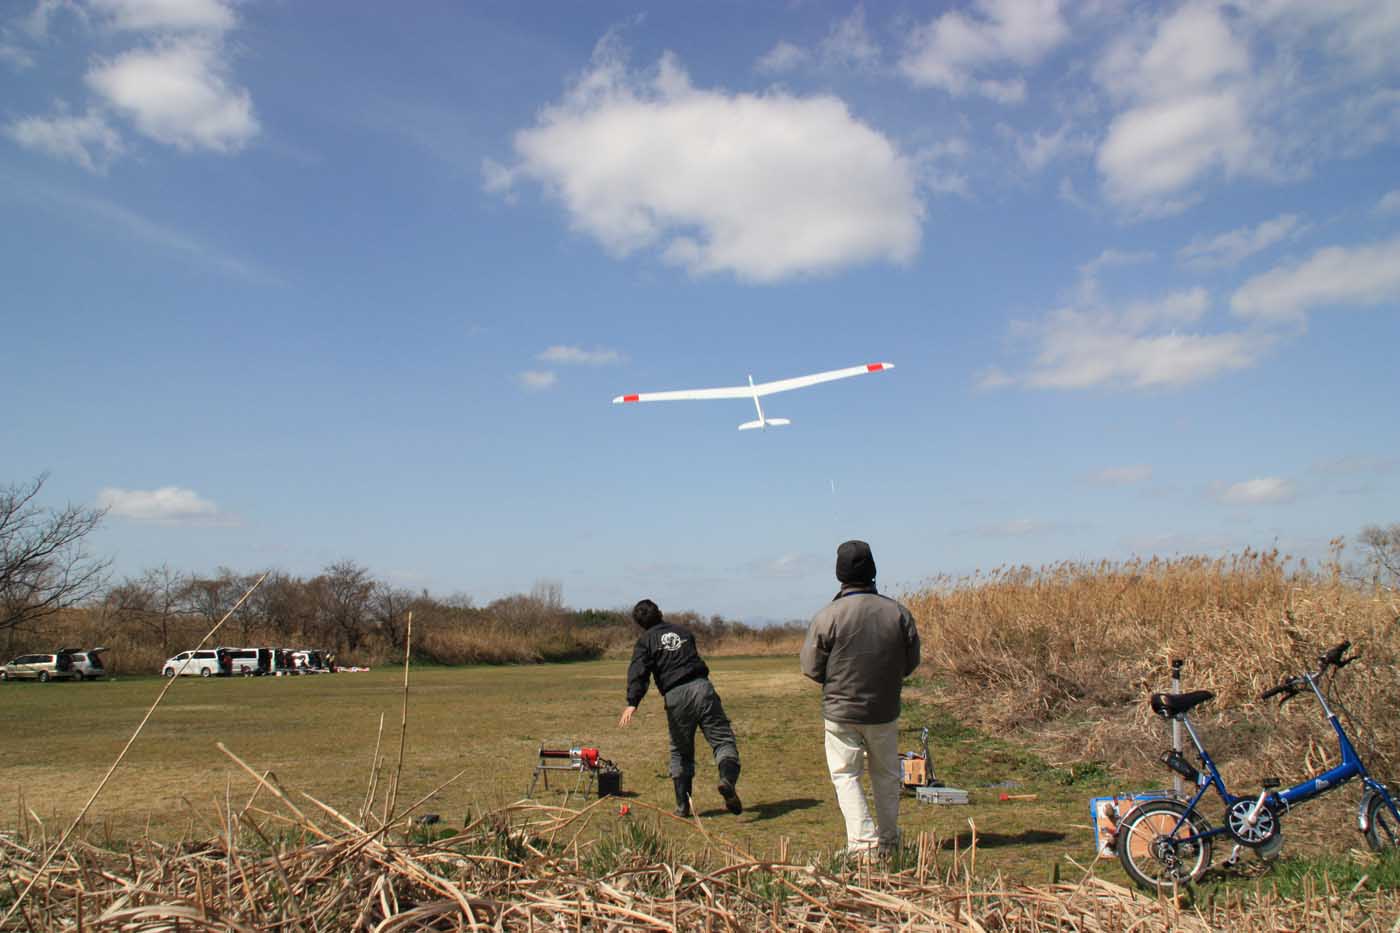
{"x":205,"y":662}
{"x":242,"y":661}
{"x":87,"y":662}
{"x":41,"y":667}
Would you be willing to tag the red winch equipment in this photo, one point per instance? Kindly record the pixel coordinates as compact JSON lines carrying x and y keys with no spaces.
{"x":584,"y":761}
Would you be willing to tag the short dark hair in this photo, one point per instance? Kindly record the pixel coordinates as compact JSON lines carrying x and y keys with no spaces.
{"x":646,"y":614}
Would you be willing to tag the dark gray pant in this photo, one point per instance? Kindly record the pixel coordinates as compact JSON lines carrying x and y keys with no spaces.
{"x":693,"y":704}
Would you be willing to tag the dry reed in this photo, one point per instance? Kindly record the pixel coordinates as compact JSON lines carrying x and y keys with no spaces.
{"x":1066,"y":656}
{"x":308,"y":867}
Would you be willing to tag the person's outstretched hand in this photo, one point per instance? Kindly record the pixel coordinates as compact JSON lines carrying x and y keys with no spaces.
{"x":626,"y":719}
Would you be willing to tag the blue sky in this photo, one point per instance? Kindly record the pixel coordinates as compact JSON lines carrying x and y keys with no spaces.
{"x":287,"y":283}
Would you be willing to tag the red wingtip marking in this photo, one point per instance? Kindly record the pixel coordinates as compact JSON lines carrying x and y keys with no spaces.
{"x":629,"y":398}
{"x":874,"y":367}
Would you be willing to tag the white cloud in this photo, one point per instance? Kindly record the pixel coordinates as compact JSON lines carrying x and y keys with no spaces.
{"x":992,"y":378}
{"x":1226,"y":249}
{"x":849,"y":44}
{"x":765,"y":186}
{"x":1134,"y":345}
{"x":1016,"y":528}
{"x":178,"y":93}
{"x":16,"y":57}
{"x":1188,"y":109}
{"x":537,"y":380}
{"x":956,"y":50}
{"x":1334,"y":276}
{"x":1077,"y":356}
{"x":87,"y":140}
{"x":787,"y":567}
{"x":1066,"y":192}
{"x":173,"y":15}
{"x":1154,"y":151}
{"x":577,"y":355}
{"x":1088,"y":286}
{"x":931,"y":167}
{"x":1122,"y":476}
{"x":175,"y":84}
{"x":1190,"y":51}
{"x":37,"y":22}
{"x":168,"y":504}
{"x":782,"y":58}
{"x":1389,"y":203}
{"x":1359,"y":35}
{"x":1261,"y":491}
{"x":1040,"y":149}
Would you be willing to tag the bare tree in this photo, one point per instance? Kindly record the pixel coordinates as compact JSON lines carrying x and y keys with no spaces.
{"x":210,"y":597}
{"x":345,"y":589}
{"x":389,"y":607}
{"x":283,"y":604}
{"x":549,"y":594}
{"x":1382,"y":552}
{"x":43,"y":565}
{"x":155,"y":601}
{"x":544,"y":605}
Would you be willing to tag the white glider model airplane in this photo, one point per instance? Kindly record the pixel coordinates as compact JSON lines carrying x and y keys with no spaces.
{"x":756,"y":391}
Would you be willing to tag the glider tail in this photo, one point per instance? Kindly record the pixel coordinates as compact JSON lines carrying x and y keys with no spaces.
{"x":764,"y":423}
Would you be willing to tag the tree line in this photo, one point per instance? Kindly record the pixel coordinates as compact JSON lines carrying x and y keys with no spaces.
{"x":53,"y":587}
{"x":48,"y":573}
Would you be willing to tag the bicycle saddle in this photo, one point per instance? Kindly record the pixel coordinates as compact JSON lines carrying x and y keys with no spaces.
{"x":1174,"y":704}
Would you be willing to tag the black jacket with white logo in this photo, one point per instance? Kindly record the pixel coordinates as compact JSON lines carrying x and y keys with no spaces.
{"x":666,"y":652}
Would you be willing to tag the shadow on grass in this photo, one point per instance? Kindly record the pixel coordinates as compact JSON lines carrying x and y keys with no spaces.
{"x":996,"y":840}
{"x":769,"y":809}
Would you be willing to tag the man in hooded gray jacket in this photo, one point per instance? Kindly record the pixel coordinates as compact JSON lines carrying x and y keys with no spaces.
{"x":860,"y":647}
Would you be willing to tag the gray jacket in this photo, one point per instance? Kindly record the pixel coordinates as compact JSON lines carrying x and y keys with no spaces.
{"x":860,"y":647}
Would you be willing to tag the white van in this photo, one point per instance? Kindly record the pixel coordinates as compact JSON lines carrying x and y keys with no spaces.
{"x":205,"y":663}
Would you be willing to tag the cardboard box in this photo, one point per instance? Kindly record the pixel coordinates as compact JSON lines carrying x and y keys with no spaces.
{"x":1107,"y":811}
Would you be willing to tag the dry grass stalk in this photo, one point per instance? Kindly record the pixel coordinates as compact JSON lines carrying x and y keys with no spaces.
{"x":19,"y":900}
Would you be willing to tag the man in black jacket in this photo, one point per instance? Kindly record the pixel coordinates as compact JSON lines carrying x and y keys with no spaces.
{"x":667,"y":653}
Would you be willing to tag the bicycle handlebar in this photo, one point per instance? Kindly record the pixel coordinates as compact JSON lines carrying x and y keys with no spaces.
{"x":1334,"y":657}
{"x":1334,"y":654}
{"x":1289,"y":686}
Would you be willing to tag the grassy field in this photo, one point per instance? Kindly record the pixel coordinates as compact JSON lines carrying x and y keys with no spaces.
{"x":318,"y":734}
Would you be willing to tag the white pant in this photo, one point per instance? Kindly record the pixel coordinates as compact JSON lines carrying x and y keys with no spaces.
{"x":848,"y":747}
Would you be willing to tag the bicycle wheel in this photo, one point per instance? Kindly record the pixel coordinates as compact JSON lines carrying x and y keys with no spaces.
{"x":1382,"y":832}
{"x":1150,"y":849}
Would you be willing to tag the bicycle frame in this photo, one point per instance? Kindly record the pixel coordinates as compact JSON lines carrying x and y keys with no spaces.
{"x":1350,"y":767}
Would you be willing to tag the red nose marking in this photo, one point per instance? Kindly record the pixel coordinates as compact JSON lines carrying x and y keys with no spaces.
{"x":874,"y":367}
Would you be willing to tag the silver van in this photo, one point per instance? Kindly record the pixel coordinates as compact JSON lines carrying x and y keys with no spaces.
{"x":41,"y":667}
{"x":87,"y":662}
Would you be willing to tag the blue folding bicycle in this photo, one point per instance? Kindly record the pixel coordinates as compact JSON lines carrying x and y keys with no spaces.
{"x":1166,"y":842}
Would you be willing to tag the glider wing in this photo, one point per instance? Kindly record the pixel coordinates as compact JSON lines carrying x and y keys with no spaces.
{"x":682,"y":394}
{"x":799,"y":382}
{"x":750,"y":391}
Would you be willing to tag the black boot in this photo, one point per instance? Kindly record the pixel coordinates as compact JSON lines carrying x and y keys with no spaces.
{"x":682,"y":785}
{"x":728,"y":777}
